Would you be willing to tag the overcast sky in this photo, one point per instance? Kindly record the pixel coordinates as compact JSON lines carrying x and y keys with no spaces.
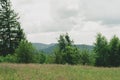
{"x":44,"y":20}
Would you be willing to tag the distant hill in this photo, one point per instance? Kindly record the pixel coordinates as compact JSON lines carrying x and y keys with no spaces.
{"x":40,"y":46}
{"x":49,"y":48}
{"x":83,"y":46}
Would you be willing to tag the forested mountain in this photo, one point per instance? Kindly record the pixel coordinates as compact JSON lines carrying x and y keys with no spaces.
{"x":48,"y":48}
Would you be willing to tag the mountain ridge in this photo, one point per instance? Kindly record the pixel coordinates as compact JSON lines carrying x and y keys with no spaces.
{"x":49,"y":48}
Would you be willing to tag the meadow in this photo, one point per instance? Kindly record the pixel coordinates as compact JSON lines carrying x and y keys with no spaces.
{"x":56,"y":72}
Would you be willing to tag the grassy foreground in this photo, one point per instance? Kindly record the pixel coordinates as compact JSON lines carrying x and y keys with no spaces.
{"x":56,"y":72}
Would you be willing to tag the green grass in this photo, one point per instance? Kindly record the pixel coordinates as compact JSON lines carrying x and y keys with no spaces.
{"x":56,"y":72}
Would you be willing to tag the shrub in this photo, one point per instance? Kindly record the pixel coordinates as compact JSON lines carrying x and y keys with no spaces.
{"x":40,"y":58}
{"x":25,"y":52}
{"x":8,"y":58}
{"x":1,"y":59}
{"x":85,"y":57}
{"x":50,"y":59}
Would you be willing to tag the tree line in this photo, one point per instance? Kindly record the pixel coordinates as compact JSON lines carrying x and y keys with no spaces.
{"x":108,"y":53}
{"x":15,"y":48}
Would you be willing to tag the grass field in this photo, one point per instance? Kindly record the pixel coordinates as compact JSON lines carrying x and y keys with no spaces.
{"x":56,"y":72}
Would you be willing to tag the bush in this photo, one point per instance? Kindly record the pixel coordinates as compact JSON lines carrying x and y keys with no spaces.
{"x":1,"y":59}
{"x":85,"y":57}
{"x":71,"y":55}
{"x":40,"y":58}
{"x":50,"y":59}
{"x":8,"y":58}
{"x":25,"y":52}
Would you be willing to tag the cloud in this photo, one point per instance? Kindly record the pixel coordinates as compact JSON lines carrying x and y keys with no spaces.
{"x":62,"y":14}
{"x":33,"y":13}
{"x":88,"y":32}
{"x":106,"y":11}
{"x":82,"y":19}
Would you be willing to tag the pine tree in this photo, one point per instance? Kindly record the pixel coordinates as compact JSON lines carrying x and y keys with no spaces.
{"x":114,"y":51}
{"x":10,"y":30}
{"x":101,"y":50}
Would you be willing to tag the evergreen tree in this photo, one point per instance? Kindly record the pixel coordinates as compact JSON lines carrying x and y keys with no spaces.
{"x":62,"y":43}
{"x":114,"y":52}
{"x":101,"y":50}
{"x":10,"y":30}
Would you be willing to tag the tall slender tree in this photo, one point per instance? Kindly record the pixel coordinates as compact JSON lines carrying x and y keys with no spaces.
{"x":10,"y":30}
{"x":101,"y":50}
{"x":114,"y":51}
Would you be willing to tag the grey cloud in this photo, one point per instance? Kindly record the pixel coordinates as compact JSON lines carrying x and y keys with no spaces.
{"x":106,"y":11}
{"x":63,"y":16}
{"x":58,"y":25}
{"x":64,"y":13}
{"x":93,"y":10}
{"x":80,"y":17}
{"x":111,"y":21}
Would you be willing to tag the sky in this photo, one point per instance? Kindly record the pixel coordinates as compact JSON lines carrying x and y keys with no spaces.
{"x":44,"y":20}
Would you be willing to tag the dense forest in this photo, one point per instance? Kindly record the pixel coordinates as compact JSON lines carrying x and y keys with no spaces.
{"x":15,"y":48}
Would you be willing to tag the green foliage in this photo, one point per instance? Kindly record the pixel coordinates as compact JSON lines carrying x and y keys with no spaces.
{"x":10,"y":30}
{"x":64,"y":40}
{"x":40,"y":58}
{"x":101,"y":50}
{"x":50,"y":59}
{"x":108,"y":54}
{"x":25,"y":52}
{"x":66,"y":51}
{"x":85,"y":57}
{"x":59,"y":56}
{"x":114,"y":52}
{"x":1,"y":59}
{"x":92,"y":58}
{"x":71,"y":55}
{"x":9,"y":58}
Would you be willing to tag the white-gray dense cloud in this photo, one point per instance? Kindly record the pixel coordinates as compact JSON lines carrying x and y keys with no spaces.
{"x":104,"y":10}
{"x":82,"y":19}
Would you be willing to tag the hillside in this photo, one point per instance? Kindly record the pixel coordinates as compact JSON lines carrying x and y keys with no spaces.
{"x":48,"y":48}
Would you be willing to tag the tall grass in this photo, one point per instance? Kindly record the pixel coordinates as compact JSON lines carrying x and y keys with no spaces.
{"x":56,"y":72}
